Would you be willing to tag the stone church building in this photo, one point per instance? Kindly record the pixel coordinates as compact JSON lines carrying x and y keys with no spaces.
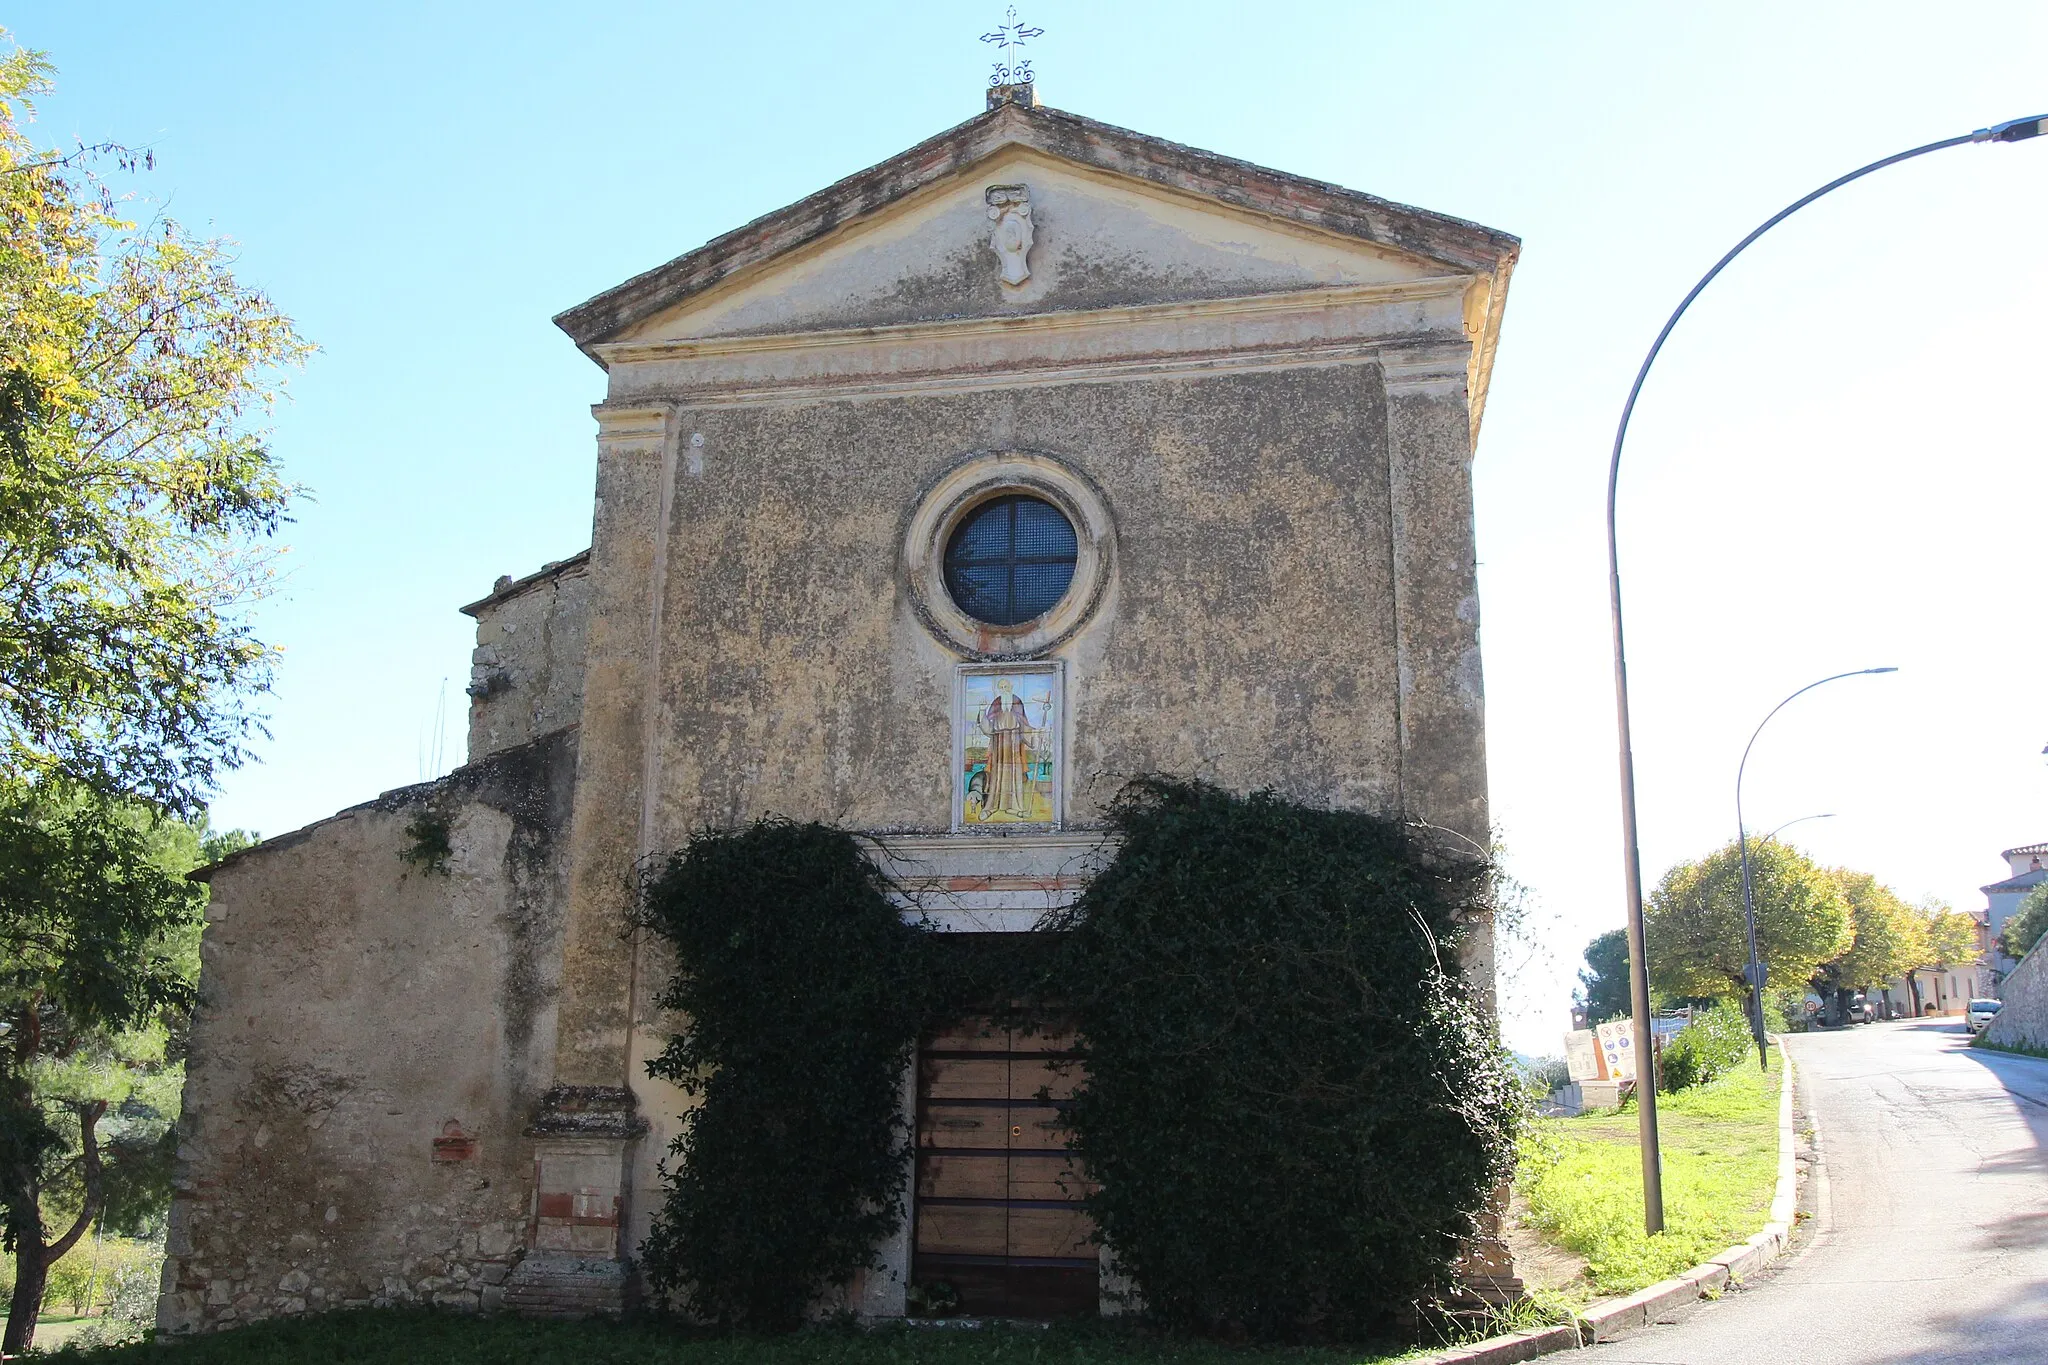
{"x":937,"y":504}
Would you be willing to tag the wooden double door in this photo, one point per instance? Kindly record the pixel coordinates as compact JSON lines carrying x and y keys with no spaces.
{"x":998,"y":1212}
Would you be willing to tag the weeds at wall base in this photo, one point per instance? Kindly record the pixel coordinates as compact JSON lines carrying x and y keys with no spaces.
{"x":408,"y":1336}
{"x":1983,"y":1040}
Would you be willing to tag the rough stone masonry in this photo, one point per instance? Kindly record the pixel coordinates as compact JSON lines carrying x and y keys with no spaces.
{"x":1249,"y":399}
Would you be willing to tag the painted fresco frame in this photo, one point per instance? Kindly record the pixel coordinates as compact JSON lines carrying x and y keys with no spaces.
{"x":1041,"y":686}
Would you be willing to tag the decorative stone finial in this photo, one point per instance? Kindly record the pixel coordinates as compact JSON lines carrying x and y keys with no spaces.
{"x":1009,"y":208}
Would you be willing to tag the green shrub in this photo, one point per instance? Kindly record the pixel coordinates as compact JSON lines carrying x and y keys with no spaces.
{"x":126,"y":1292}
{"x":92,"y":1275}
{"x":1543,"y":1075}
{"x":804,"y":992}
{"x":428,"y":842}
{"x":1716,"y":1042}
{"x":1292,"y":1104}
{"x":1784,"y":1010}
{"x":74,"y":1284}
{"x":2027,"y":924}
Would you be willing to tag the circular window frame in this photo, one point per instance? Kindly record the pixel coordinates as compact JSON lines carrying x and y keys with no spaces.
{"x":981,"y":479}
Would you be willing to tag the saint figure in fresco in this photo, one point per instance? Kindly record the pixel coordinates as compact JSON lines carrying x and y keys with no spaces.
{"x":1008,"y":755}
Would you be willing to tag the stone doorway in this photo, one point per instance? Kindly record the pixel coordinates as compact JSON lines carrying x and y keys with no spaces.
{"x":997,"y":1213}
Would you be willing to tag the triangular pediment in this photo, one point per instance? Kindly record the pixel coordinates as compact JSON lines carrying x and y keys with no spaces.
{"x":1098,"y":240}
{"x":1118,"y":219}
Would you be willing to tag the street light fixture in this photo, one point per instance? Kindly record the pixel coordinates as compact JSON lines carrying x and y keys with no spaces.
{"x":1753,"y":971}
{"x":1824,"y":815}
{"x":2012,"y":130}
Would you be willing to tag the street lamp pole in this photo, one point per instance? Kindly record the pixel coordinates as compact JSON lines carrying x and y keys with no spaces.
{"x":1754,"y":971}
{"x":2013,"y":130}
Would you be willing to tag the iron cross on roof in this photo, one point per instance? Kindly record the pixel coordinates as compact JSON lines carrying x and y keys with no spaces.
{"x":1009,"y":35}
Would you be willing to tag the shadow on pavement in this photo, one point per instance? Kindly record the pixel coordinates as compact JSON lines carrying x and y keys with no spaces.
{"x":2016,"y":1327}
{"x":2014,"y":1331}
{"x":2018,"y":1232}
{"x":2024,"y":1078}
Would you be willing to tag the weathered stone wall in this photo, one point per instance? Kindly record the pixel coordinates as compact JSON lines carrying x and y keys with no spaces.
{"x":1248,"y":637}
{"x":526,"y":675}
{"x":2023,"y":1017}
{"x":1291,"y":606}
{"x":373,"y":1037}
{"x":1290,"y":600}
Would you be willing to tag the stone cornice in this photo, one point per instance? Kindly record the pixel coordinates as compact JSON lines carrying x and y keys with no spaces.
{"x":1318,"y":326}
{"x":909,"y":333}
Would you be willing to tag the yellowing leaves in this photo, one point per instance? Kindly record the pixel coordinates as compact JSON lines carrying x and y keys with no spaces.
{"x":138,"y":493}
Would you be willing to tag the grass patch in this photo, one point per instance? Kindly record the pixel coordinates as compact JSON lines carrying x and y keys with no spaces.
{"x":404,"y":1336}
{"x":1583,"y":1182}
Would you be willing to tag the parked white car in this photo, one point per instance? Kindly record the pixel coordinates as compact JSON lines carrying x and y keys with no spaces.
{"x":1980,"y":1014}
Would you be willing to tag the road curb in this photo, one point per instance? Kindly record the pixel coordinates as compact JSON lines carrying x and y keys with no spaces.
{"x":1505,"y":1350}
{"x":1611,"y":1319}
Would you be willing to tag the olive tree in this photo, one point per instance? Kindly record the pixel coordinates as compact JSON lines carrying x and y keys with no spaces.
{"x":1887,"y":940}
{"x":1694,"y":921}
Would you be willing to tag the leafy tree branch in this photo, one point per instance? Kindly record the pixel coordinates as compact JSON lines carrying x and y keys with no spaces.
{"x":139,"y":505}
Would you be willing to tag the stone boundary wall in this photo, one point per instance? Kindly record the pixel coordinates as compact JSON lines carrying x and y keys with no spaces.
{"x":376,"y":1027}
{"x":2023,"y":1019}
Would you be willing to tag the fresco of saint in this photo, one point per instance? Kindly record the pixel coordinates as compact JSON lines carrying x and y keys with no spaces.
{"x":1008,"y":748}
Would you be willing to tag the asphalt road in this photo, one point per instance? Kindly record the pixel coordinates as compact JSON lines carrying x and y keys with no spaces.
{"x":1927,"y":1241}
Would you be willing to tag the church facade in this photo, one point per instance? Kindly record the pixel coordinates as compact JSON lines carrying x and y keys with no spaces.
{"x":935,"y":506}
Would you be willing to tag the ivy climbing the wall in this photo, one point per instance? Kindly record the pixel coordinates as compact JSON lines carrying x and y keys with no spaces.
{"x":804,"y":993}
{"x":1292,"y":1105}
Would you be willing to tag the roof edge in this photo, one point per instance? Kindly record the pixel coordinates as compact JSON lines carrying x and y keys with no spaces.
{"x":396,"y":799}
{"x":552,"y":569}
{"x":1456,"y":242}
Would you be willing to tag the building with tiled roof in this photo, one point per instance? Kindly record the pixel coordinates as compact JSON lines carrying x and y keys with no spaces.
{"x":2003,"y":898}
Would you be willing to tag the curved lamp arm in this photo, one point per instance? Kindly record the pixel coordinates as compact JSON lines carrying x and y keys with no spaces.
{"x":1753,"y":973}
{"x":1742,"y":767}
{"x":1824,"y":815}
{"x":2012,"y":130}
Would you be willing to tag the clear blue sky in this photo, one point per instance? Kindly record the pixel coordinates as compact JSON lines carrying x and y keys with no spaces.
{"x":1838,"y":463}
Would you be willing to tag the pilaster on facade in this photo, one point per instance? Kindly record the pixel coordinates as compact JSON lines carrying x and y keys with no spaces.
{"x":635,"y":476}
{"x":1436,"y":594}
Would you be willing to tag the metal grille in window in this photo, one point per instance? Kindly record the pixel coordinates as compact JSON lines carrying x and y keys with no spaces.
{"x":1011,"y":560}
